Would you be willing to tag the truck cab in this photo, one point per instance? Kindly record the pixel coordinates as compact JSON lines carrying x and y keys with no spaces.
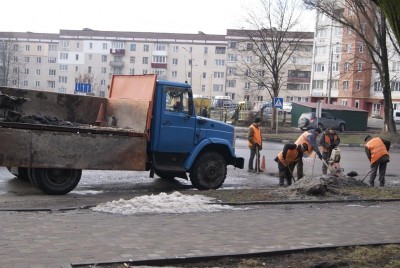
{"x":182,"y":142}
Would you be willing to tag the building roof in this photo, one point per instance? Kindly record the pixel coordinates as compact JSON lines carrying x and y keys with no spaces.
{"x":244,"y":33}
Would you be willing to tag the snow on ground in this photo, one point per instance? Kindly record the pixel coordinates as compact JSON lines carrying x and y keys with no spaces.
{"x":162,"y":203}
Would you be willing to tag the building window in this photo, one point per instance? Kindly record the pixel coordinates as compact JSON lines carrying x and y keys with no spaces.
{"x":231,"y":83}
{"x":39,"y":48}
{"x":64,"y":44}
{"x":247,"y":85}
{"x":232,"y":45}
{"x":89,"y":69}
{"x":318,"y":84}
{"x":219,"y":62}
{"x":37,"y":84}
{"x":63,"y":67}
{"x":145,"y":60}
{"x":90,"y":45}
{"x":249,"y":59}
{"x":131,"y":71}
{"x":26,"y":59}
{"x":335,"y":67}
{"x":27,"y":48}
{"x":174,"y":74}
{"x":52,"y":59}
{"x":52,"y":47}
{"x":38,"y":60}
{"x":37,"y":72}
{"x":360,"y":66}
{"x":105,"y":46}
{"x":117,"y":45}
{"x":133,"y":47}
{"x":205,"y":50}
{"x":249,"y":46}
{"x":345,"y":85}
{"x":176,"y":49}
{"x":346,"y":66}
{"x":396,"y":66}
{"x":76,"y":56}
{"x":321,"y":33}
{"x":103,"y":70}
{"x":320,"y":50}
{"x":377,"y":86}
{"x":102,"y":82}
{"x":25,"y":83}
{"x":51,"y":84}
{"x":219,"y":74}
{"x":146,"y":48}
{"x":159,"y":59}
{"x":232,"y":57}
{"x":62,"y":79}
{"x":52,"y":72}
{"x":395,"y":86}
{"x":218,"y":88}
{"x":103,"y":58}
{"x":360,"y":47}
{"x":357,"y":85}
{"x":161,"y":47}
{"x":344,"y":102}
{"x":175,"y":61}
{"x":26,"y":71}
{"x":90,"y":57}
{"x":319,"y":67}
{"x":220,"y":50}
{"x":357,"y":104}
{"x":64,"y":56}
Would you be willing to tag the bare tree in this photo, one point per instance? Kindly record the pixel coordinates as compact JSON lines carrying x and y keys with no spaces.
{"x":268,"y":46}
{"x":368,"y":23}
{"x":9,"y":66}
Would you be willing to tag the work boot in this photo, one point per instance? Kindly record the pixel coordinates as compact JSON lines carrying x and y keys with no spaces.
{"x":260,"y":170}
{"x":251,"y":170}
{"x":281,"y":182}
{"x":371,"y":183}
{"x":381,"y":184}
{"x":289,"y":182}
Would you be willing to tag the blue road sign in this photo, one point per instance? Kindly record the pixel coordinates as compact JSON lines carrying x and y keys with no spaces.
{"x":81,"y":87}
{"x":278,"y":103}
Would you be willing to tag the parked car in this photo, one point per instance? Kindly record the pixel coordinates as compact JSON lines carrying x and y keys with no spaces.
{"x":268,"y":108}
{"x":309,"y":120}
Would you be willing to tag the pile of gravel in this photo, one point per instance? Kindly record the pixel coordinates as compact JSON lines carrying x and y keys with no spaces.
{"x":319,"y":186}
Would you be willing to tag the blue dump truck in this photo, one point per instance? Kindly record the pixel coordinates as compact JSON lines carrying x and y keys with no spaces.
{"x":145,"y":124}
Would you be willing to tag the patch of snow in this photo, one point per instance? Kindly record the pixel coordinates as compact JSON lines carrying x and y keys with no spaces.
{"x":86,"y":192}
{"x":175,"y":202}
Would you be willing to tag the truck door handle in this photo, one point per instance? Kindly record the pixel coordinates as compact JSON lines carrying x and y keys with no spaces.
{"x":166,"y":123}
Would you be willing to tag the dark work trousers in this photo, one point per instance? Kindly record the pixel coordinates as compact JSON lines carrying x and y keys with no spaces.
{"x":300,"y":173}
{"x":252,"y":156}
{"x":325,"y":156}
{"x":381,"y":165}
{"x":285,"y":173}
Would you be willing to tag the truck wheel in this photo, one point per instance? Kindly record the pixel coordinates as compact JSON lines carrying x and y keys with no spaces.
{"x":19,"y":172}
{"x":55,"y":181}
{"x":209,"y":171}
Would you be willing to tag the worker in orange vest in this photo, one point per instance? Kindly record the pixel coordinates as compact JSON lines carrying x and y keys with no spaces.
{"x":309,"y":137}
{"x":254,"y":138}
{"x":329,"y":141}
{"x":287,"y":160}
{"x":377,"y":150}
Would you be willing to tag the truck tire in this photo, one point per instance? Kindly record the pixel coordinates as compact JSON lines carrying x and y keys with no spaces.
{"x":55,"y":181}
{"x":209,"y":171}
{"x":19,"y":172}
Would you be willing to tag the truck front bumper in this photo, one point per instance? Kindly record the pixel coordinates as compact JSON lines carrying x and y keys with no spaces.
{"x":238,"y":162}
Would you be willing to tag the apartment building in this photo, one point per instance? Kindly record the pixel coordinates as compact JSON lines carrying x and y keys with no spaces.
{"x":58,"y":62}
{"x":343,"y":72}
{"x":242,"y":59}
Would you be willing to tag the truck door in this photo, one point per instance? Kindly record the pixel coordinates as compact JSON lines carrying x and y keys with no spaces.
{"x":177,"y":122}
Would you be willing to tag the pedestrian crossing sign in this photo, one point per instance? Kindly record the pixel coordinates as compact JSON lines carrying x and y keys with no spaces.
{"x":278,"y":103}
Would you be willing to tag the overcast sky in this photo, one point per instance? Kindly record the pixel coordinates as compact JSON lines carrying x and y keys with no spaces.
{"x":172,"y":16}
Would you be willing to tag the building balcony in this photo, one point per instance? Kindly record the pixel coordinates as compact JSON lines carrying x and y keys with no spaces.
{"x":118,"y":52}
{"x":158,"y":65}
{"x":119,"y":64}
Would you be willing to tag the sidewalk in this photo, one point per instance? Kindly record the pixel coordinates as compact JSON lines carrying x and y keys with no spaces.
{"x":57,"y":239}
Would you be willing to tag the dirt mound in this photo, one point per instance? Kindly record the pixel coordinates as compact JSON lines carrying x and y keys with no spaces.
{"x":318,"y":186}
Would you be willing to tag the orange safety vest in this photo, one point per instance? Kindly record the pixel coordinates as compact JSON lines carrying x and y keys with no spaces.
{"x":291,"y":156}
{"x":303,"y":139}
{"x":256,"y":137}
{"x":328,"y":141}
{"x":377,"y":149}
